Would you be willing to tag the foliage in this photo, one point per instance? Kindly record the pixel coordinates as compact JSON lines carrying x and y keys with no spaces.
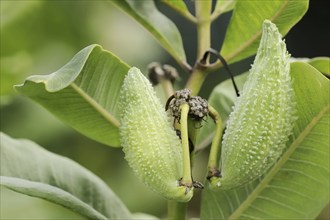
{"x":288,"y":189}
{"x":84,"y":94}
{"x":83,"y":192}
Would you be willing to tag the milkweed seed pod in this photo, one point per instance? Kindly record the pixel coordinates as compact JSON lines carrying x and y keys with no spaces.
{"x":263,"y":116}
{"x":151,"y":146}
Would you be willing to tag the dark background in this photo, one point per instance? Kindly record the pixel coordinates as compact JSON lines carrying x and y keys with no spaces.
{"x":311,"y":36}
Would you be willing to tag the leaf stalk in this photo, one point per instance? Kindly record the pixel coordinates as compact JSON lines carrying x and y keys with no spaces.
{"x":176,"y":210}
{"x":186,"y":178}
{"x":216,"y":142}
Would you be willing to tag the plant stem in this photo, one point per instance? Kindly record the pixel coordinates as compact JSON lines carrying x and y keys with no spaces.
{"x":192,"y":131}
{"x":176,"y":210}
{"x":203,"y":12}
{"x":203,"y":16}
{"x":186,"y":178}
{"x":195,"y":81}
{"x":167,"y":87}
{"x":216,"y":142}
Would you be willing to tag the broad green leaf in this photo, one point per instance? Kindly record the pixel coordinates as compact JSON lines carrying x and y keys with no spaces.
{"x":244,"y":30}
{"x":297,"y":186}
{"x":222,"y":6}
{"x":31,"y":170}
{"x":322,"y":64}
{"x":162,"y":28}
{"x":15,"y":205}
{"x":222,"y":99}
{"x":83,"y":93}
{"x":181,"y":7}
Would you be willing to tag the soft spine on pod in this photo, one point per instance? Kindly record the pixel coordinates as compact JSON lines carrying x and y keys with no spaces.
{"x":263,"y":116}
{"x":151,"y":146}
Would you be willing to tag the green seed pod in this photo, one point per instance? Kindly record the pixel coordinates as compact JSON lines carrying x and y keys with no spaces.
{"x":263,"y":116}
{"x":151,"y":146}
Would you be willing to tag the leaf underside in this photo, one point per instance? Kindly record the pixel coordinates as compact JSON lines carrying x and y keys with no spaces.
{"x":159,"y":26}
{"x":83,"y":93}
{"x":31,"y":170}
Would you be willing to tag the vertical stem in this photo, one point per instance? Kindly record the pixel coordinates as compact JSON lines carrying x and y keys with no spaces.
{"x":203,"y":16}
{"x":186,"y":178}
{"x":192,"y":131}
{"x":167,"y":87}
{"x":176,"y":210}
{"x":195,"y":81}
{"x":216,"y":142}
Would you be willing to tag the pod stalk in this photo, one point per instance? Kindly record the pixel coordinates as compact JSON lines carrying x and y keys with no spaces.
{"x":186,"y":178}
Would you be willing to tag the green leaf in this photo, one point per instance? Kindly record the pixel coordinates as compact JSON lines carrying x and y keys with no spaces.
{"x":244,"y":30}
{"x":322,"y":64}
{"x":162,"y":28}
{"x":221,"y":7}
{"x":222,"y":99}
{"x":297,"y":186}
{"x":31,"y":170}
{"x":83,"y":93}
{"x":181,"y":7}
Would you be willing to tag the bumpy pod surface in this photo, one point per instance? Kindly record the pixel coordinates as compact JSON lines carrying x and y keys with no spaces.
{"x":151,"y":146}
{"x":263,"y":116}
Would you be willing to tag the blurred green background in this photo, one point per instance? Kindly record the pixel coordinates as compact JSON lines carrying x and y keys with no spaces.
{"x":39,"y":37}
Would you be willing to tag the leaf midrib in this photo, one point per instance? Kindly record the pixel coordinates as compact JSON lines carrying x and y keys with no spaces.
{"x":254,"y":37}
{"x":281,"y":162}
{"x":109,"y":117}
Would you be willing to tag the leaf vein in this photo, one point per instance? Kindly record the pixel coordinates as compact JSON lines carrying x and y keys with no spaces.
{"x":109,"y":117}
{"x":290,"y":190}
{"x":280,"y":204}
{"x":309,"y":163}
{"x":303,"y":174}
